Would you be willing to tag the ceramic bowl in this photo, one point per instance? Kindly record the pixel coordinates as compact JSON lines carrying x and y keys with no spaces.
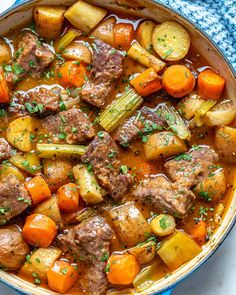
{"x":21,"y":11}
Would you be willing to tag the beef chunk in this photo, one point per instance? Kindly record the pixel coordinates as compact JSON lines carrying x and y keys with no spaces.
{"x":13,"y":249}
{"x":14,"y":198}
{"x":5,"y":149}
{"x":106,"y":68}
{"x":162,"y":195}
{"x":40,"y":101}
{"x":89,"y":242}
{"x":103,"y":155}
{"x":145,"y":121}
{"x":31,"y":57}
{"x":190,"y":168}
{"x":72,"y":125}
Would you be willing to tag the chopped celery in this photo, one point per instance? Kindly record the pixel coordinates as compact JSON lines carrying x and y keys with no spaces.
{"x":65,"y":40}
{"x":144,"y":279}
{"x":202,"y":110}
{"x":120,"y":109}
{"x":60,"y":150}
{"x":175,"y":121}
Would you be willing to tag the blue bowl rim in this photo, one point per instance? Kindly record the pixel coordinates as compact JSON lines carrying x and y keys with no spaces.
{"x":170,"y":287}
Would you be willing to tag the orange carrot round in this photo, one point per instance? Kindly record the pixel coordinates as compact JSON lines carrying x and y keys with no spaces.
{"x":4,"y":92}
{"x":124,"y":35}
{"x":72,"y":73}
{"x":178,"y":81}
{"x":147,"y":82}
{"x":122,"y":269}
{"x":39,"y":230}
{"x":62,"y":276}
{"x":199,"y":232}
{"x":38,"y":189}
{"x":210,"y":84}
{"x":68,"y":197}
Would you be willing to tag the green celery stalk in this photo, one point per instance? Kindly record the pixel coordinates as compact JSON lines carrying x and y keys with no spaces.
{"x":120,"y":109}
{"x":59,"y":150}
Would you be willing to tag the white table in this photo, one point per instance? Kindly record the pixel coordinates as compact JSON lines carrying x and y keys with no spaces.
{"x":216,"y":277}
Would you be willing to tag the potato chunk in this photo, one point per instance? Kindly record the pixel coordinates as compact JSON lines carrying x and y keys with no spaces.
{"x":213,"y":187}
{"x":130,"y":224}
{"x":29,"y":162}
{"x":163,"y":145}
{"x":105,"y":31}
{"x":171,"y":41}
{"x":7,"y":169}
{"x":178,"y":249}
{"x":144,"y":34}
{"x":163,"y":225}
{"x":18,"y":133}
{"x":49,"y":20}
{"x":5,"y":52}
{"x":225,"y":141}
{"x":144,"y":253}
{"x":188,"y":105}
{"x":84,"y":16}
{"x":40,"y":262}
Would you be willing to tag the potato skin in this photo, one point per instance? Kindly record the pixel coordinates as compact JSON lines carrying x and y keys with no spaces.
{"x":225,"y":141}
{"x":49,"y":20}
{"x":13,"y":249}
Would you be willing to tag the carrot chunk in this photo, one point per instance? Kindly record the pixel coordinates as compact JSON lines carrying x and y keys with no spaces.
{"x":72,"y":73}
{"x":199,"y":232}
{"x":38,"y":189}
{"x":62,"y":276}
{"x":4,"y":92}
{"x":147,"y":82}
{"x":178,"y":81}
{"x":68,"y":197}
{"x":124,"y":35}
{"x":210,"y":84}
{"x":122,"y":269}
{"x":39,"y":230}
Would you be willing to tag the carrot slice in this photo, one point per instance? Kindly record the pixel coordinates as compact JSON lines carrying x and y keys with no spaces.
{"x":147,"y":82}
{"x":68,"y":197}
{"x":38,"y":189}
{"x":210,"y":84}
{"x":4,"y":92}
{"x":124,"y":35}
{"x":122,"y":269}
{"x":39,"y":230}
{"x":72,"y":73}
{"x":62,"y":276}
{"x":178,"y":81}
{"x":199,"y":232}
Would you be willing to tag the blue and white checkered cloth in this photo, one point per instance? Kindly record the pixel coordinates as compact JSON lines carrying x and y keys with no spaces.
{"x":217,"y":18}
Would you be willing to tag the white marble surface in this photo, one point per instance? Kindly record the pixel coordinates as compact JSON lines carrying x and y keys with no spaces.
{"x":216,"y":277}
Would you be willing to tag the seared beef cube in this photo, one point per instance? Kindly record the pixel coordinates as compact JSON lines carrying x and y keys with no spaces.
{"x":145,"y":121}
{"x":13,"y":249}
{"x":31,"y":57}
{"x":106,"y":68}
{"x":190,"y":168}
{"x":164,"y":196}
{"x":103,"y":155}
{"x":40,"y":101}
{"x":89,"y":242}
{"x":14,"y":198}
{"x":5,"y":149}
{"x":72,"y":125}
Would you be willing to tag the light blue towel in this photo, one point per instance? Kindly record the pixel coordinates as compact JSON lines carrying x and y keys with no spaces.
{"x":215,"y":17}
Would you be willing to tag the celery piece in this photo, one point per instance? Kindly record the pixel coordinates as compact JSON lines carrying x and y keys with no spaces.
{"x":120,"y":109}
{"x":48,"y":151}
{"x":202,"y":110}
{"x":65,"y":40}
{"x":175,"y":121}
